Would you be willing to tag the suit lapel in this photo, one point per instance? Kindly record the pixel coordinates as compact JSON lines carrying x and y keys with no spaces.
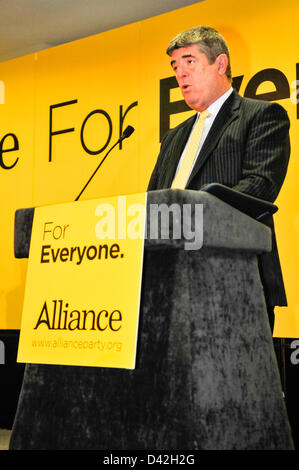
{"x":227,"y":114}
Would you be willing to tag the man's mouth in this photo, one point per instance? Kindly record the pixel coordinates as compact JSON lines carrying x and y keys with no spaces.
{"x":185,"y":87}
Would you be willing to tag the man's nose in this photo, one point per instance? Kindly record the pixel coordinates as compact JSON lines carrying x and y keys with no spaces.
{"x":181,"y":72}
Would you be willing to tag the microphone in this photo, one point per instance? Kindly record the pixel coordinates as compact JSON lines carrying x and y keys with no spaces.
{"x":127,"y":132}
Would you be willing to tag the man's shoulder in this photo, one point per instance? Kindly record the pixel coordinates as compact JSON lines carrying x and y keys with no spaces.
{"x":255,"y":105}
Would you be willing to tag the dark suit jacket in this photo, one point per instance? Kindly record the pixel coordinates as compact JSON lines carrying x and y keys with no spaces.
{"x":248,"y":149}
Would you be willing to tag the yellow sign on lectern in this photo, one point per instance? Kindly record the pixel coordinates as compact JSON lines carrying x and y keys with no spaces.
{"x":82,"y":296}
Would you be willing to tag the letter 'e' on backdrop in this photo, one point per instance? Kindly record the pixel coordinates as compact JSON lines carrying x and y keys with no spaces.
{"x":17,"y":120}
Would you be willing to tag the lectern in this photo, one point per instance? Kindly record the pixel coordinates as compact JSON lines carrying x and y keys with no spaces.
{"x":206,"y":375}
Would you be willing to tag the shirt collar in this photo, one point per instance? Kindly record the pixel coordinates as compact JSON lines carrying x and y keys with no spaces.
{"x":215,"y":107}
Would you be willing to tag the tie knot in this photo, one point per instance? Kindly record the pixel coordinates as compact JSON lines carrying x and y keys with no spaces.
{"x":204,"y":114}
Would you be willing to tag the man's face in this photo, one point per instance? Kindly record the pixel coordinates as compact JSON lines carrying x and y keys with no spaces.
{"x":201,"y":83}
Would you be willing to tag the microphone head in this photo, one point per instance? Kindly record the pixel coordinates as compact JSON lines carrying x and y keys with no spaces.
{"x":127,"y":132}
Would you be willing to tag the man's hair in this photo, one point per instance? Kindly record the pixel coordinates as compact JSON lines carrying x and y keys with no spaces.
{"x":210,"y":42}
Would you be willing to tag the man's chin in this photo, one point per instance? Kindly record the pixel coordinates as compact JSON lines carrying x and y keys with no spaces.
{"x":191,"y":105}
{"x":190,"y":102}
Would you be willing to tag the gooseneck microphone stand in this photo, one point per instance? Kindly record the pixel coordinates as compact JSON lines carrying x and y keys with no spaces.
{"x":127,"y":132}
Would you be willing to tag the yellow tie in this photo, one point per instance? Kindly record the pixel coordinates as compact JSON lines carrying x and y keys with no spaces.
{"x":184,"y":170}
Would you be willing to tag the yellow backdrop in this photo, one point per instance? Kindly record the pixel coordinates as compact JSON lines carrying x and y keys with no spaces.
{"x":65,"y":105}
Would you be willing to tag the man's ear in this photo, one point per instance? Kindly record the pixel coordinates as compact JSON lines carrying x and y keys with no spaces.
{"x":222,"y":62}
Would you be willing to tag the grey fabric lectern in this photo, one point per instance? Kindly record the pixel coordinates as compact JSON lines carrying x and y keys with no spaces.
{"x":206,"y":374}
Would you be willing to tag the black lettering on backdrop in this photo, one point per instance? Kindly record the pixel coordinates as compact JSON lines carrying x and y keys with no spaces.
{"x":11,"y":149}
{"x":168,"y":107}
{"x":104,"y":113}
{"x":282,"y":91}
{"x":122,"y":118}
{"x":62,"y":131}
{"x":237,"y":82}
{"x":268,"y":75}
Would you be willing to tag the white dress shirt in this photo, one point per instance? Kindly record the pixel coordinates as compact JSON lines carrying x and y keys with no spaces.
{"x":213,"y":109}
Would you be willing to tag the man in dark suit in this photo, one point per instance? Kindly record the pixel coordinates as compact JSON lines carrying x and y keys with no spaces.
{"x":244,"y":143}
